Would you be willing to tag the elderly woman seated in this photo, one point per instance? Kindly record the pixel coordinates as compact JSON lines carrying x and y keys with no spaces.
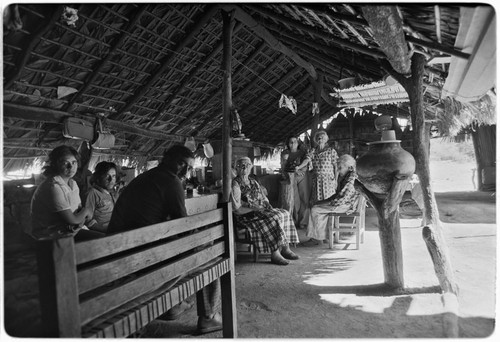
{"x":344,"y":201}
{"x":271,"y":229}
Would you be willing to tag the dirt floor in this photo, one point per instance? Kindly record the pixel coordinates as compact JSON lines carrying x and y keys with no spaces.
{"x":328,"y":293}
{"x":337,"y":293}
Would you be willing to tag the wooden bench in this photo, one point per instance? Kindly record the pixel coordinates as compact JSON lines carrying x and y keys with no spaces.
{"x":115,"y":285}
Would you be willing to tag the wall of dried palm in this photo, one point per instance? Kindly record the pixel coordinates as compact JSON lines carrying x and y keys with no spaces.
{"x":484,"y":139}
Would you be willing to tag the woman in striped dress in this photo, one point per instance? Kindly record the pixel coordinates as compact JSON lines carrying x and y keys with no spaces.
{"x":324,"y":162}
{"x":270,"y":229}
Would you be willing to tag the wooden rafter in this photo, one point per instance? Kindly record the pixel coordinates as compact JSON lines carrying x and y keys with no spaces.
{"x":263,"y":33}
{"x":11,"y":110}
{"x":278,"y":84}
{"x":312,"y":48}
{"x":26,"y":52}
{"x":166,"y":63}
{"x":185,"y":81}
{"x":111,"y":52}
{"x":314,"y":31}
{"x":217,"y":92}
{"x":356,"y":20}
{"x":235,"y":72}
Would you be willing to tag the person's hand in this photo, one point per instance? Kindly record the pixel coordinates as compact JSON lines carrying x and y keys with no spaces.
{"x":299,"y":173}
{"x":88,"y":213}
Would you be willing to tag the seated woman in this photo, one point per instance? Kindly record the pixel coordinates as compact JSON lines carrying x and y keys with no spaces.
{"x":344,"y":201}
{"x":100,"y":199}
{"x":56,"y":208}
{"x":271,"y":229}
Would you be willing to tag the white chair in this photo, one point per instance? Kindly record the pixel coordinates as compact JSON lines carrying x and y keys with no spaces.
{"x":355,"y":224}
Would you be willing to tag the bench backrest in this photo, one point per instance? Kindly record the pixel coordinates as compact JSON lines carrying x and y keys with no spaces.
{"x":91,"y":279}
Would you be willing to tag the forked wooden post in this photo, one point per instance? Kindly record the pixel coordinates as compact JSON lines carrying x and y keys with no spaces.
{"x":58,"y":287}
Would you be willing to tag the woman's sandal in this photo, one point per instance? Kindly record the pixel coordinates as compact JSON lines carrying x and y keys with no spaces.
{"x":279,"y":261}
{"x":289,"y":255}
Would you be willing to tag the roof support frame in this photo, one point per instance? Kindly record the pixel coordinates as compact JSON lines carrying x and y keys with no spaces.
{"x":274,"y":43}
{"x":123,"y":36}
{"x":35,"y":39}
{"x":165,"y":64}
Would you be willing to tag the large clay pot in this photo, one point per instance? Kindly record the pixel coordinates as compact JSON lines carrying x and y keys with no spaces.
{"x":385,"y":159}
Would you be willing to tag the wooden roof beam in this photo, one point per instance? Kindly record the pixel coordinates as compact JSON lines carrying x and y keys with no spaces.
{"x":236,"y":71}
{"x":360,"y":21}
{"x":216,"y":92}
{"x":263,"y":33}
{"x":194,"y":71}
{"x":255,"y":80}
{"x":310,"y":45}
{"x":251,"y":122}
{"x":33,"y":113}
{"x":116,"y":45}
{"x":375,"y":52}
{"x":274,"y":43}
{"x":25,"y":54}
{"x":165,"y":64}
{"x":275,"y":85}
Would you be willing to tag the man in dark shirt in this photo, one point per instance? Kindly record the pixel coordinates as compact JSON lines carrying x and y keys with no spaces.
{"x":157,"y":196}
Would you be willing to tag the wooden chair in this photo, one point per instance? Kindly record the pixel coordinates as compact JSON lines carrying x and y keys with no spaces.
{"x":241,"y":237}
{"x":355,"y":224}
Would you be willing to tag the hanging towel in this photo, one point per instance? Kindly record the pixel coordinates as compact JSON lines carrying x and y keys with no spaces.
{"x":190,"y":143}
{"x":288,"y":102}
{"x":208,"y":149}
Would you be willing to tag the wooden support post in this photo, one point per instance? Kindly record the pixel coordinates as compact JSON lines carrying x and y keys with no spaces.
{"x":433,"y":231}
{"x":350,"y":118}
{"x":227,"y":104}
{"x":437,"y":249}
{"x":228,"y":284}
{"x":60,"y":318}
{"x":389,"y":230}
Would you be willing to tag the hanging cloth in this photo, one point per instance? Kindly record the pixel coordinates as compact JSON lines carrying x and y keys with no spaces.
{"x":315,"y":108}
{"x":190,"y":143}
{"x":237,"y":126}
{"x":288,"y":102}
{"x":208,"y":149}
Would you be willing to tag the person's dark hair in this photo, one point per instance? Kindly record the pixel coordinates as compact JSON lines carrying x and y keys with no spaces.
{"x":289,"y":138}
{"x":177,"y":154}
{"x":50,"y":169}
{"x":101,"y":169}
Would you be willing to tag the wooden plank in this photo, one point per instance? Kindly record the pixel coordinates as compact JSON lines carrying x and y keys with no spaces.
{"x":96,"y":306}
{"x":66,"y":287}
{"x":95,"y":249}
{"x":131,"y":318}
{"x":97,"y":275}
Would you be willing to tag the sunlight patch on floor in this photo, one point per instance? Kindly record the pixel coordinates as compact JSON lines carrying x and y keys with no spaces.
{"x":420,"y":305}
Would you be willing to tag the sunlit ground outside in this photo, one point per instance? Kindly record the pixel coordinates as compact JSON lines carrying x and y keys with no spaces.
{"x":472,"y":251}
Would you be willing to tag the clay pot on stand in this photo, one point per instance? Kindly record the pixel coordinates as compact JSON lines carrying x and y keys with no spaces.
{"x":385,"y":171}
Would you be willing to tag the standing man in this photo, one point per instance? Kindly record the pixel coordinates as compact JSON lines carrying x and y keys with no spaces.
{"x":157,"y":196}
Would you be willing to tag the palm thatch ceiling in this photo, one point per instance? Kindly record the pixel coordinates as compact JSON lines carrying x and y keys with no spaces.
{"x":154,"y":70}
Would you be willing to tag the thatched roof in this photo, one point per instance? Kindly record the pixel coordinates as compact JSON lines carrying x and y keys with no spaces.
{"x":154,"y":70}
